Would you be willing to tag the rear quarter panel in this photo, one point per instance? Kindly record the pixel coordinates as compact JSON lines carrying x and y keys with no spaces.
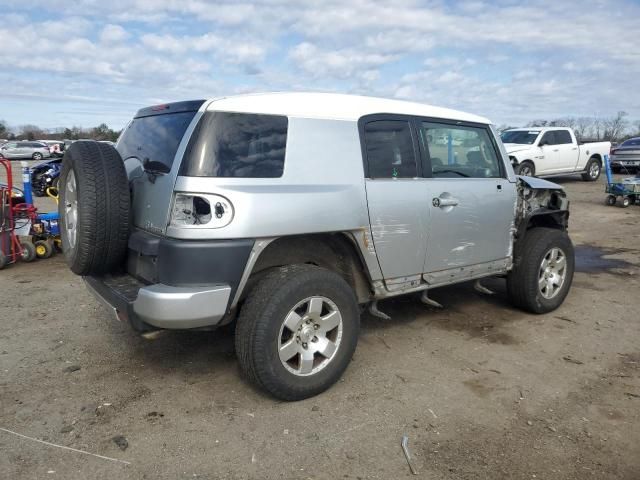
{"x":321,"y":189}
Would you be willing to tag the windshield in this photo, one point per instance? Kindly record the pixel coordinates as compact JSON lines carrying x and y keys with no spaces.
{"x":632,"y":142}
{"x":155,"y":138}
{"x":524,"y":137}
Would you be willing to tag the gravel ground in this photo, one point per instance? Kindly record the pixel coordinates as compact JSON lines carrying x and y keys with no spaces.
{"x":482,"y":390}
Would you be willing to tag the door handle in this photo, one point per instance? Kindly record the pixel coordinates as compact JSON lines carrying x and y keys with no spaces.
{"x":556,"y":149}
{"x":444,"y":202}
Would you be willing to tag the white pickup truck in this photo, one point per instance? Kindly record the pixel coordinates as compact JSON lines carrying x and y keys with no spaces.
{"x":546,"y":151}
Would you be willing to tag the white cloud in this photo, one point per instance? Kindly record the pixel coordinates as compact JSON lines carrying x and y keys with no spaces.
{"x":113,"y":34}
{"x":502,"y":59}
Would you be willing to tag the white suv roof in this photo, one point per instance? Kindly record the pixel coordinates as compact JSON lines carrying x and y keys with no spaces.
{"x":535,"y":129}
{"x":333,"y":106}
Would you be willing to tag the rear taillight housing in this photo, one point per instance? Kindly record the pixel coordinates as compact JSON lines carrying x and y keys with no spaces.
{"x":200,"y":210}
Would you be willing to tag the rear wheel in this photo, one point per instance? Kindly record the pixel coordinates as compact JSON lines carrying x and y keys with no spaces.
{"x":592,"y":171}
{"x":37,"y":156}
{"x":626,"y":201}
{"x":526,"y":169}
{"x":297,"y":331}
{"x":542,"y":272}
{"x":94,"y":208}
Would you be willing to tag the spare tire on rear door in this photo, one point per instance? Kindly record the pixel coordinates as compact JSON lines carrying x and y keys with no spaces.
{"x":94,"y":208}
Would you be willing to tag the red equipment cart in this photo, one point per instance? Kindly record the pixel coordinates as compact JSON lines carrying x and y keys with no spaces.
{"x":11,"y":249}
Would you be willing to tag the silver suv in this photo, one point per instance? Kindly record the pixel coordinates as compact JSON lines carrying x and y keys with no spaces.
{"x":24,"y":150}
{"x":288,"y":214}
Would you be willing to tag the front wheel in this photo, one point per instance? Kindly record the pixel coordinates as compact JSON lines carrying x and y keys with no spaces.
{"x":593,"y":170}
{"x":542,"y":272}
{"x":526,"y":169}
{"x":28,"y":252}
{"x":43,"y":249}
{"x":297,"y":331}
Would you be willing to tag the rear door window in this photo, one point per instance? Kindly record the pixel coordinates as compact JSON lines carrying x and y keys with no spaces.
{"x":244,"y":145}
{"x":389,"y":149}
{"x":155,"y":138}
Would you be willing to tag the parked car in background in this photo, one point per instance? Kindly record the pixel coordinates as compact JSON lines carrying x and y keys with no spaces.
{"x":546,"y":151}
{"x":24,"y":150}
{"x":626,"y":156}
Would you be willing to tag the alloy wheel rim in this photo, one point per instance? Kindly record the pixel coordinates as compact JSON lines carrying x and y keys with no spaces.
{"x":525,"y":171}
{"x":594,"y":170}
{"x":310,"y":336}
{"x":71,"y":208}
{"x":552,"y":273}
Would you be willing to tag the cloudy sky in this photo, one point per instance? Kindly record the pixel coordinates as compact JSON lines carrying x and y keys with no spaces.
{"x":83,"y":62}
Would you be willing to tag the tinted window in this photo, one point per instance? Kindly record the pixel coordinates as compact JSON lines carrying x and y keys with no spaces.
{"x":155,"y":138}
{"x":455,"y":151}
{"x":237,"y":145}
{"x":520,"y":136}
{"x":390,"y":152}
{"x":548,"y":138}
{"x":562,"y":137}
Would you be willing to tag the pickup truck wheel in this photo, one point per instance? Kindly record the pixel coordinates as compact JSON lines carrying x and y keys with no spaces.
{"x":527,"y":169}
{"x":94,"y":208}
{"x":297,"y":331}
{"x":593,"y":170}
{"x":543,"y":271}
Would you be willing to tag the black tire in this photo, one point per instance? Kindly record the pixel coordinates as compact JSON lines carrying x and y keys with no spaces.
{"x":528,"y":167}
{"x":37,"y":156}
{"x":28,"y":252}
{"x":43,"y":249}
{"x":103,"y":208}
{"x":4,"y":260}
{"x":626,"y":201}
{"x":611,"y":200}
{"x":258,"y":331}
{"x":592,"y":171}
{"x":522,"y":281}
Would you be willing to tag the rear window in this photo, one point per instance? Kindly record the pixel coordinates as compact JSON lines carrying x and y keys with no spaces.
{"x":237,"y":145}
{"x":634,"y":142}
{"x":155,"y":138}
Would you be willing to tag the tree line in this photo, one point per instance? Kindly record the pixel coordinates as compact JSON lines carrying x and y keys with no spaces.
{"x":613,"y":129}
{"x":33,"y":132}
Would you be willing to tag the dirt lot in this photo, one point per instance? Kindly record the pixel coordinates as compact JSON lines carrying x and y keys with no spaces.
{"x":481,"y":389}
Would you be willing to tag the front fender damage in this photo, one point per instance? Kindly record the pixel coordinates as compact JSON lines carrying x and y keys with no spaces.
{"x":540,"y":204}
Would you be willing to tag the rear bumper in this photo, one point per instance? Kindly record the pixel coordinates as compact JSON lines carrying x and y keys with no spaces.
{"x":632,"y":162}
{"x":160,"y":306}
{"x":174,"y":284}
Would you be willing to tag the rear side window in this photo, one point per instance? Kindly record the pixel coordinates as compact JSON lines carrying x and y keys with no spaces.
{"x":390,"y":152}
{"x":155,"y":138}
{"x":243,"y":145}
